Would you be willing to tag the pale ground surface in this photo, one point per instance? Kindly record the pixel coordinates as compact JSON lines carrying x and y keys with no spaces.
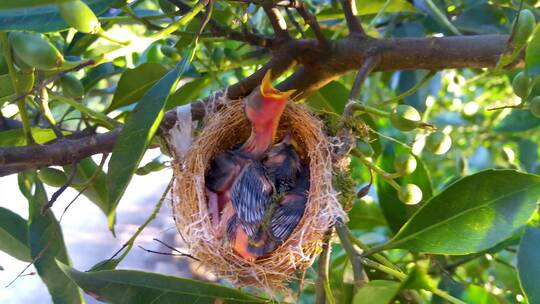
{"x":88,"y":239}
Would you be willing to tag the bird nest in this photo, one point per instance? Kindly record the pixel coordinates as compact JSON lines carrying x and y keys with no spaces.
{"x":224,"y":129}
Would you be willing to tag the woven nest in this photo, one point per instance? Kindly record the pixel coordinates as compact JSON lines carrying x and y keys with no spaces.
{"x":224,"y":129}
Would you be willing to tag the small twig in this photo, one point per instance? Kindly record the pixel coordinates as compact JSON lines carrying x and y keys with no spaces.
{"x":61,"y":190}
{"x":276,"y":20}
{"x":322,"y":286}
{"x":312,"y":22}
{"x":38,"y":256}
{"x":129,"y":244}
{"x":369,"y":65}
{"x":176,"y":250}
{"x":518,"y":106}
{"x":412,"y":90}
{"x":87,"y":184}
{"x":168,"y":253}
{"x":295,"y":23}
{"x":349,"y":10}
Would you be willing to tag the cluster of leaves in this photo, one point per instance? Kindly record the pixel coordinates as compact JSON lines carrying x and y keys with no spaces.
{"x":448,"y":223}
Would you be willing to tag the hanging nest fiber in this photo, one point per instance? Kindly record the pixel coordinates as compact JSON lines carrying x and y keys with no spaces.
{"x":224,"y":129}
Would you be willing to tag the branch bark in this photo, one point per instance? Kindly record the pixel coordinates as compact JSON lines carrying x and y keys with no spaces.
{"x":316,"y":68}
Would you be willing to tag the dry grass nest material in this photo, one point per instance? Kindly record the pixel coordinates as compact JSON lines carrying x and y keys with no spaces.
{"x":224,"y":129}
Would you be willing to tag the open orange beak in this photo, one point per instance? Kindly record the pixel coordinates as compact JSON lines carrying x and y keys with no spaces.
{"x":268,"y":91}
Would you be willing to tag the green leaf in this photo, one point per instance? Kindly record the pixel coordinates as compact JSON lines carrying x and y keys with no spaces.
{"x":517,"y":121}
{"x":365,"y":215}
{"x":475,"y":294}
{"x":97,"y":191}
{"x":332,"y":98}
{"x":368,"y":7}
{"x":10,"y":4}
{"x":15,"y":137}
{"x":377,"y":291}
{"x":130,"y":286}
{"x":532,"y":55}
{"x":38,"y":15}
{"x":102,"y":71}
{"x":528,"y":154}
{"x":471,"y":215}
{"x":528,"y":264}
{"x":137,"y":133}
{"x":6,"y":86}
{"x":395,"y":211}
{"x":47,"y":244}
{"x":14,"y":235}
{"x":134,"y":83}
{"x":188,"y":92}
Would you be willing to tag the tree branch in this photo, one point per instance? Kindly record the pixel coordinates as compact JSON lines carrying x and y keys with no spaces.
{"x":317,"y":69}
{"x":312,"y":22}
{"x":278,"y":23}
{"x":349,"y":10}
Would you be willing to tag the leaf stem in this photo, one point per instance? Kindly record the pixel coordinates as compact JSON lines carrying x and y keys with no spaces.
{"x":402,"y":277}
{"x":389,"y":178}
{"x":101,"y":118}
{"x":412,"y":90}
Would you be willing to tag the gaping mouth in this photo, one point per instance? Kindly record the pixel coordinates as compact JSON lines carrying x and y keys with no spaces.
{"x":268,"y":91}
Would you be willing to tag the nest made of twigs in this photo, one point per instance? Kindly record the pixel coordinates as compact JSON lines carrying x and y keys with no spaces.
{"x":224,"y":129}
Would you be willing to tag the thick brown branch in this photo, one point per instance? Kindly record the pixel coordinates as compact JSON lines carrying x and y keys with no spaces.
{"x":317,"y":69}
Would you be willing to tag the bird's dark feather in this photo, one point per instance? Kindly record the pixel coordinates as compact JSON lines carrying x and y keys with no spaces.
{"x":250,"y":196}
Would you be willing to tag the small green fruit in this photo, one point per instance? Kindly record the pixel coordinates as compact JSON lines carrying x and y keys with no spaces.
{"x":521,"y":85}
{"x":52,"y":177}
{"x":35,"y":50}
{"x":410,"y":194}
{"x":405,"y":118}
{"x":364,"y":148}
{"x":150,"y":167}
{"x":72,"y":86}
{"x":534,"y":106}
{"x":524,"y":28}
{"x":405,"y":164}
{"x":438,"y":143}
{"x":79,"y":16}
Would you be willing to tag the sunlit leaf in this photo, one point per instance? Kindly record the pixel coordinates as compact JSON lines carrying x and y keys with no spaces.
{"x":14,"y":235}
{"x":528,"y":264}
{"x":471,"y":215}
{"x":130,"y":286}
